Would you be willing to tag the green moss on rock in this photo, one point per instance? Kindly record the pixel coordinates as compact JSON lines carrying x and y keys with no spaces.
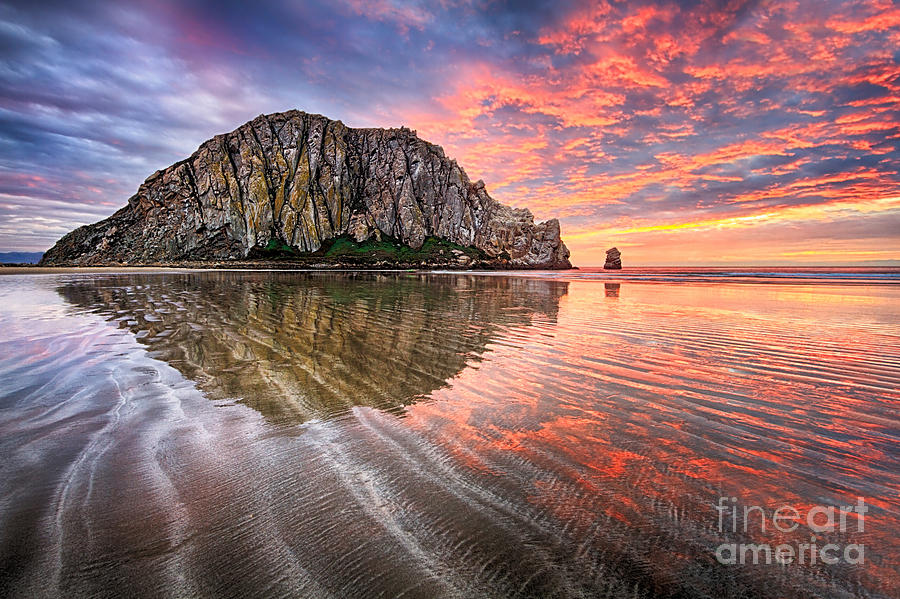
{"x":392,"y":251}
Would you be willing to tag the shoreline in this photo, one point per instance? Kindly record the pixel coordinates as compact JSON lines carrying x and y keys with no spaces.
{"x":879,"y":276}
{"x":271,"y":267}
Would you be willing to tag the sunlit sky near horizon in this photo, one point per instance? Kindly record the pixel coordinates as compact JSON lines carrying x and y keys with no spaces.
{"x":708,"y":132}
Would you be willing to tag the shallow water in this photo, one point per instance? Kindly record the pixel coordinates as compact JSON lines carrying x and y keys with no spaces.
{"x":375,"y":434}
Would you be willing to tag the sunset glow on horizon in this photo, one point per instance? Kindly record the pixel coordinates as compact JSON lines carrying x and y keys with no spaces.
{"x":684,"y":133}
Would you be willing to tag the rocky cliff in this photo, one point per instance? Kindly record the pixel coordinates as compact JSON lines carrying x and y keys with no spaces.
{"x":299,"y":182}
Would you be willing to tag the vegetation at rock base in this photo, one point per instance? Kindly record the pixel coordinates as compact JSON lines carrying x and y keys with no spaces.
{"x":387,"y":250}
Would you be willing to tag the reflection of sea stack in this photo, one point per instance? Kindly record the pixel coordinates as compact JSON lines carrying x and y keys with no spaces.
{"x":611,"y":289}
{"x":613,"y":259}
{"x":299,"y":346}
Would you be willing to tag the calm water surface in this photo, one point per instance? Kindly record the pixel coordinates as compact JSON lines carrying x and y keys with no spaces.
{"x":424,"y":435}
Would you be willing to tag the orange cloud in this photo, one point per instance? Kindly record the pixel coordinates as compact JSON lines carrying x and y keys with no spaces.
{"x":763,"y":111}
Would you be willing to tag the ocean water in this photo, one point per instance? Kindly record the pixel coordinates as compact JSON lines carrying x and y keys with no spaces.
{"x":567,"y":434}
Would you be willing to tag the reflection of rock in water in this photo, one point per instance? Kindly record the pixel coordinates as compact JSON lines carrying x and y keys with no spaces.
{"x":309,"y":345}
{"x":611,"y":289}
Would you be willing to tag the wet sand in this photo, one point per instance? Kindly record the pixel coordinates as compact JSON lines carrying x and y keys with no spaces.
{"x":423,"y":435}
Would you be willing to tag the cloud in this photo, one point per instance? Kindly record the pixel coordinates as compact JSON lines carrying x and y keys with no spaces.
{"x":612,"y":116}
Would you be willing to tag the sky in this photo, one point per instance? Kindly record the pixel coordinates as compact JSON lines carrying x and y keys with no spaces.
{"x":684,"y":133}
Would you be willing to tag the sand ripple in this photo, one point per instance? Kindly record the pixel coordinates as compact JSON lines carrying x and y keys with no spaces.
{"x":322,"y":435}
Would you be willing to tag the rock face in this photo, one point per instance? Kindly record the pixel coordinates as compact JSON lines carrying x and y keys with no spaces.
{"x":301,"y":180}
{"x":613,"y":259}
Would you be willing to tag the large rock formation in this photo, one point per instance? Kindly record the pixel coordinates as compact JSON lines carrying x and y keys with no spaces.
{"x":300,"y":180}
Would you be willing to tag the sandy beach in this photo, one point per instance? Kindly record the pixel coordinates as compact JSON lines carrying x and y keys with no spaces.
{"x":439,"y":434}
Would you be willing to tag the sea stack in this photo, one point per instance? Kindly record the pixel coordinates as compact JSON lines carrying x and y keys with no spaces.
{"x":613,"y":259}
{"x":299,"y":183}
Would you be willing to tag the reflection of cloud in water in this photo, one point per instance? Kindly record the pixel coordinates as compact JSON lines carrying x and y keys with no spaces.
{"x":311,"y":345}
{"x":578,"y":453}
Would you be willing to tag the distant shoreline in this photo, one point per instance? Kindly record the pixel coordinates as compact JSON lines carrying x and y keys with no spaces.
{"x":262,"y":266}
{"x":46,"y":270}
{"x":710,"y":275}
